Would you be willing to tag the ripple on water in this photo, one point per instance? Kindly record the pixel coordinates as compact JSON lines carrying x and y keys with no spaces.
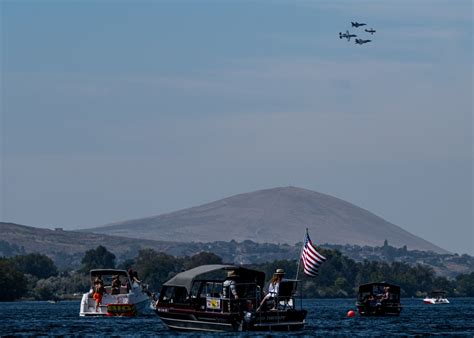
{"x":325,"y":317}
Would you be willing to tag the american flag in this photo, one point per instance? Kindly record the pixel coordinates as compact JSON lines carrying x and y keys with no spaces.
{"x":310,"y":257}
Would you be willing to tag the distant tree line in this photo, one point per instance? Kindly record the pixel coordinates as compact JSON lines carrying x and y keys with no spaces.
{"x":35,"y":276}
{"x":340,"y":276}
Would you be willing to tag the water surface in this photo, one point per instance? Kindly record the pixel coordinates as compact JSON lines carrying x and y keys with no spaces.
{"x":325,"y":317}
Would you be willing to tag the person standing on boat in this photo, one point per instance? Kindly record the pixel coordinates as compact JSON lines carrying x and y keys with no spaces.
{"x":99,"y":291}
{"x":135,"y":279}
{"x":116,"y":284}
{"x":273,"y":288}
{"x":229,"y":288}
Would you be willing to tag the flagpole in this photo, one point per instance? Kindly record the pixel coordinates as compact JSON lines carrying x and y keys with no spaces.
{"x":299,"y":260}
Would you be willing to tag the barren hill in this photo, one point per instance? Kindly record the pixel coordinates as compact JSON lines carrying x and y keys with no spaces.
{"x":278,"y":215}
{"x":68,"y":247}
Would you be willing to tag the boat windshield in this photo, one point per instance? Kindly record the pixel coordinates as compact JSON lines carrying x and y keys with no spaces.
{"x":377,"y":290}
{"x":438,"y":294}
{"x":174,"y":294}
{"x":202,"y":289}
{"x":206,"y":288}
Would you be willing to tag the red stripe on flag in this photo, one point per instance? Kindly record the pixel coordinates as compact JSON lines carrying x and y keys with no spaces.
{"x":311,"y":258}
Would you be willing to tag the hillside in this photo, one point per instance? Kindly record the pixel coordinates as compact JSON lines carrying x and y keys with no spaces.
{"x":278,"y":215}
{"x":67,"y":247}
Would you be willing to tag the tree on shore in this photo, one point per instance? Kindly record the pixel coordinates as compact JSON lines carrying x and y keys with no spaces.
{"x":12,"y":281}
{"x":339,"y":276}
{"x":155,"y":268}
{"x":201,"y":259}
{"x":35,"y":264}
{"x":99,"y":258}
{"x":465,"y":285}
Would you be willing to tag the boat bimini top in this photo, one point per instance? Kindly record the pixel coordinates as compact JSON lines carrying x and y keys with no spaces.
{"x":186,"y":278}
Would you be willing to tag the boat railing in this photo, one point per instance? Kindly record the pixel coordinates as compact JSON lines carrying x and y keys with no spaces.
{"x":249,"y":295}
{"x":286,"y":300}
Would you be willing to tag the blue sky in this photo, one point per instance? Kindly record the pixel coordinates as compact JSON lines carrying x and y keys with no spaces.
{"x":117,"y":110}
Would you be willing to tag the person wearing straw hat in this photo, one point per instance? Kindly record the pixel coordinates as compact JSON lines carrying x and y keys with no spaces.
{"x":273,"y":288}
{"x":229,"y":285}
{"x":229,"y":288}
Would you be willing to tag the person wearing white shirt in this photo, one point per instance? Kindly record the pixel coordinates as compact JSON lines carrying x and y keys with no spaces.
{"x":273,"y":288}
{"x":230,"y":289}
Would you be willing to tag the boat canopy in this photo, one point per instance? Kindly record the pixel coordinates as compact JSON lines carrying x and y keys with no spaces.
{"x":438,"y":293}
{"x":185,"y":279}
{"x":107,"y":272}
{"x":380,"y":285}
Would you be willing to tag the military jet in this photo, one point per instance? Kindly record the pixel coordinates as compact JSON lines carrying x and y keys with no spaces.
{"x":346,"y":35}
{"x":361,"y":42}
{"x":371,"y":31}
{"x":356,"y":24}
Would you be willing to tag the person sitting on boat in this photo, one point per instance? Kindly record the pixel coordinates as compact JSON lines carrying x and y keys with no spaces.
{"x":116,"y":284}
{"x":99,"y":291}
{"x":370,"y":301}
{"x":273,"y":288}
{"x":386,"y":295}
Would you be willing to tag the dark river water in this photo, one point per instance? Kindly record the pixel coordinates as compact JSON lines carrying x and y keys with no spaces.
{"x":325,"y":317}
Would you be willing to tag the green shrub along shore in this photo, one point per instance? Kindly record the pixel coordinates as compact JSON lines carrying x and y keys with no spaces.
{"x":35,"y":276}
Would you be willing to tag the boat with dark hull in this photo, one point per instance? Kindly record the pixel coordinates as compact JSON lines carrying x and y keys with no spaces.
{"x":379,"y":299}
{"x":197,"y":299}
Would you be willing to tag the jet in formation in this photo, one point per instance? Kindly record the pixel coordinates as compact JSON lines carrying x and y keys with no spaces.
{"x":361,"y":41}
{"x":346,"y":35}
{"x":371,"y":31}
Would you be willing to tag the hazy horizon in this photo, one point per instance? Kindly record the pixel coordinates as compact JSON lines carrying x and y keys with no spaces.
{"x":116,"y":111}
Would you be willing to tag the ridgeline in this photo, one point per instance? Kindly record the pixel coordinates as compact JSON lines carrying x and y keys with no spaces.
{"x":278,"y":215}
{"x":66,"y":249}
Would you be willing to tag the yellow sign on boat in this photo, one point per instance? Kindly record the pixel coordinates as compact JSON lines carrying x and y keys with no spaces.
{"x":121,"y":310}
{"x":213,"y":303}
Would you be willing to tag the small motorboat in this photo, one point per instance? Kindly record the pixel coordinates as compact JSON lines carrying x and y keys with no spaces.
{"x":379,"y":299}
{"x":199,"y":299}
{"x":120,"y":295}
{"x":436,"y":297}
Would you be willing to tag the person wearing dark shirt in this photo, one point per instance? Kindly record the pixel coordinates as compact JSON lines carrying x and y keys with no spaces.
{"x":116,"y":284}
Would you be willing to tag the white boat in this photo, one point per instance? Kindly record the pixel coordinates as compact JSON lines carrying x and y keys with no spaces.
{"x":436,"y":297}
{"x":128,"y":299}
